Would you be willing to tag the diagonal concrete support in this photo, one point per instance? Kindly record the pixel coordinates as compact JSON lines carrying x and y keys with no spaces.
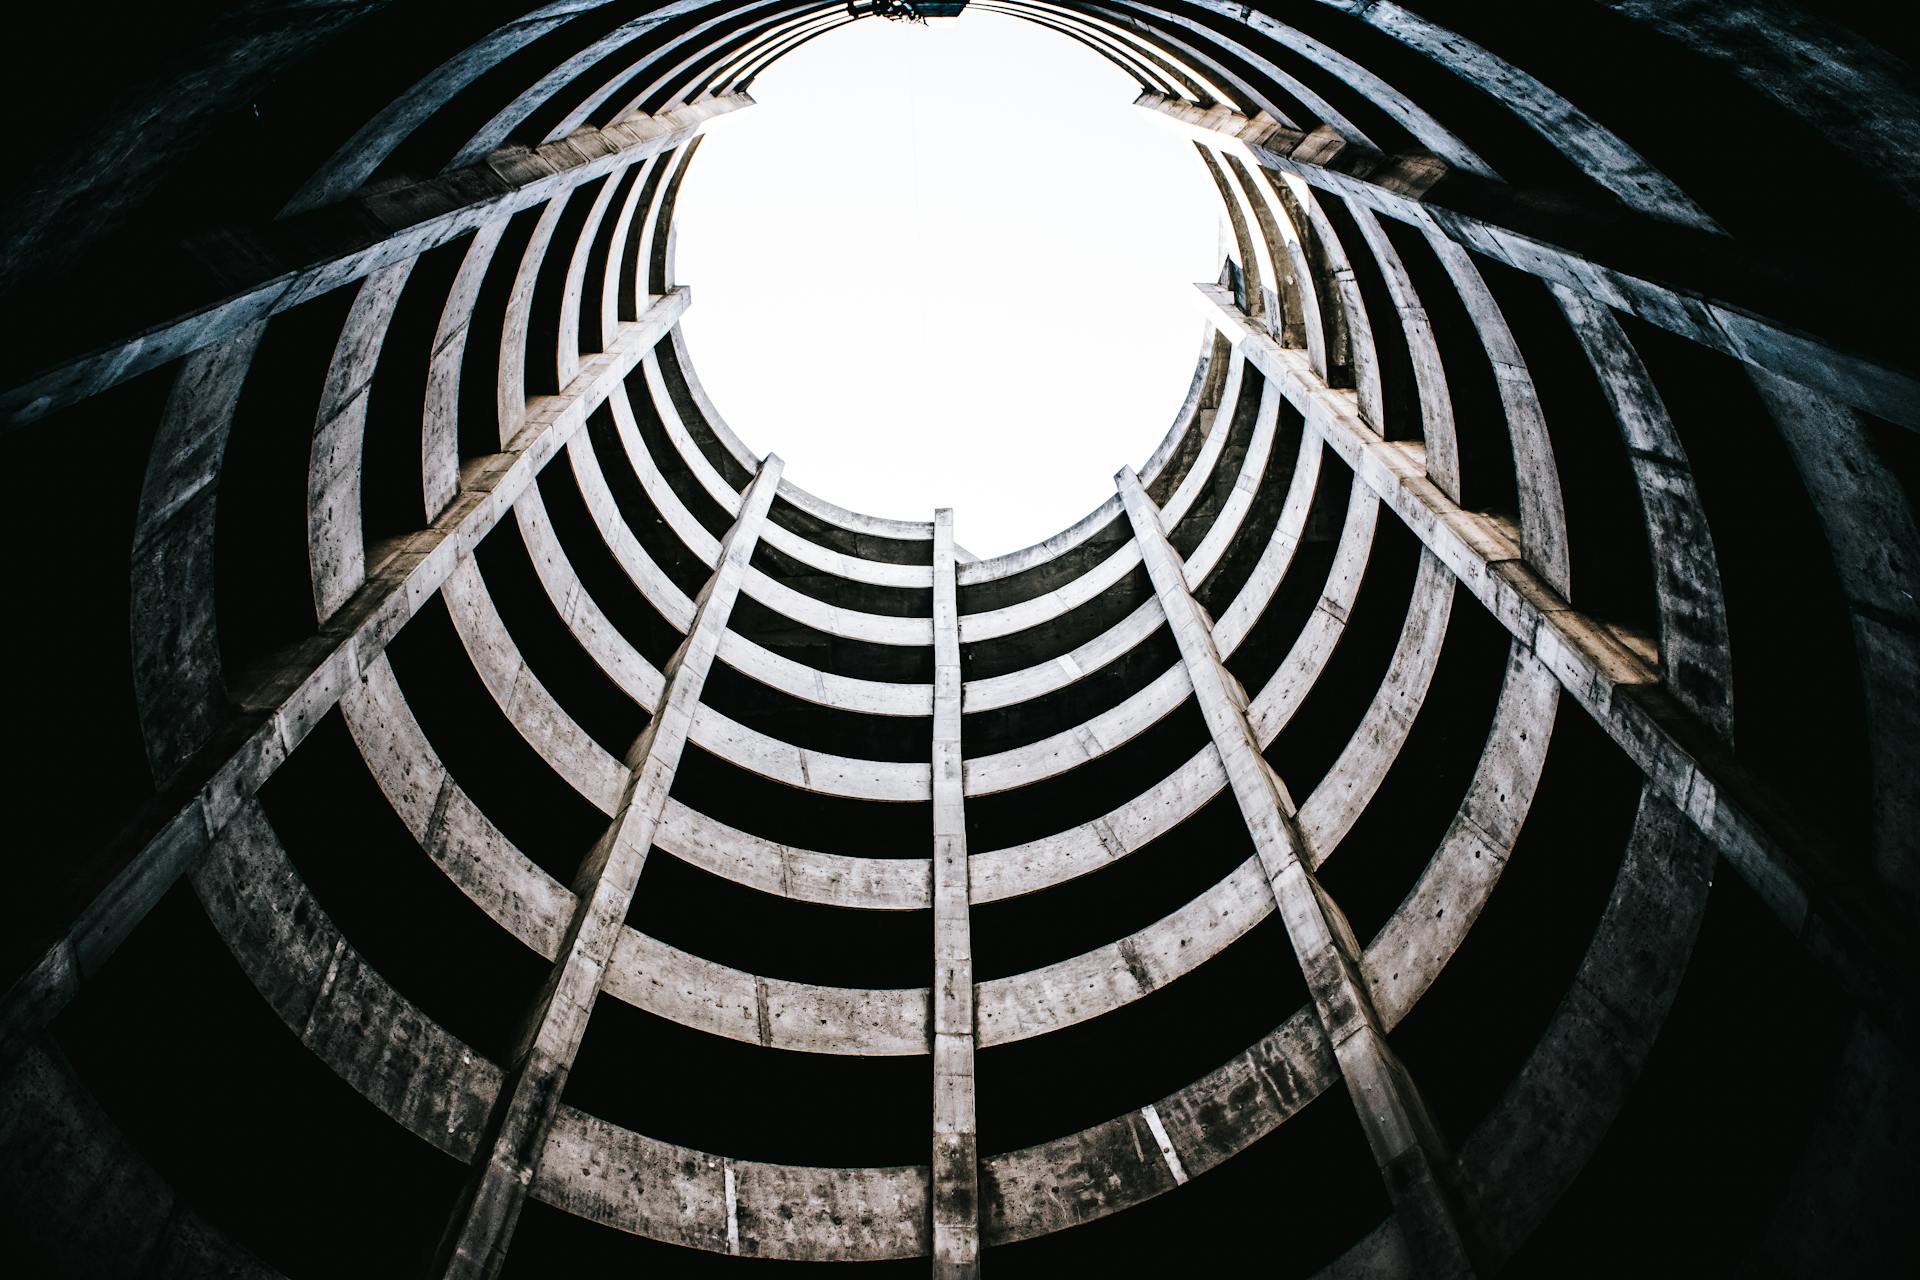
{"x":1841,"y":917}
{"x":1596,"y":151}
{"x":1412,"y":1158}
{"x":282,"y":705}
{"x":1682,"y":289}
{"x":478,"y":1234}
{"x":360,"y":156}
{"x":956,"y":1148}
{"x":269,"y":271}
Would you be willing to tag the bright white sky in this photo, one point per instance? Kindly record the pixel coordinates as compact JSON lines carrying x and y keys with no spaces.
{"x":948,"y":265}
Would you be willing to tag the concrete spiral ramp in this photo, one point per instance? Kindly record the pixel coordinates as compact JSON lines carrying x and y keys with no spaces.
{"x":1452,"y":811}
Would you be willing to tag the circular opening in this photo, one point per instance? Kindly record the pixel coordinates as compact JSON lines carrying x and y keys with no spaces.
{"x":947,"y":265}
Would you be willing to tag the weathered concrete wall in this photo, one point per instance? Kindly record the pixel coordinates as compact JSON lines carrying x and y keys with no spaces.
{"x":1312,"y":519}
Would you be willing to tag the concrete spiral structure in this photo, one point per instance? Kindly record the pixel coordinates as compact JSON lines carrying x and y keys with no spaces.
{"x":1450,"y":812}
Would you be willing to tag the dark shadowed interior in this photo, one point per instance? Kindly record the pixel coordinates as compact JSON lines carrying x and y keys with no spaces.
{"x":1451,"y":812}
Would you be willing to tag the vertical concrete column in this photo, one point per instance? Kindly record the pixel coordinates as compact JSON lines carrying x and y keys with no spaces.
{"x":477,"y":1236}
{"x":956,"y":1163}
{"x":1405,"y":1143}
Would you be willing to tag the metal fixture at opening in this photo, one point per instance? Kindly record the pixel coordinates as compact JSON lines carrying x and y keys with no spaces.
{"x":904,"y":10}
